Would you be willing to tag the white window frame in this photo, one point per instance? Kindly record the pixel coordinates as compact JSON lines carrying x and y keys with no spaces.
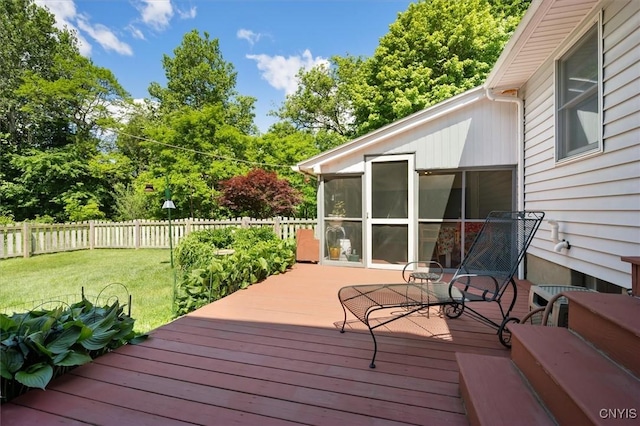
{"x":561,"y":153}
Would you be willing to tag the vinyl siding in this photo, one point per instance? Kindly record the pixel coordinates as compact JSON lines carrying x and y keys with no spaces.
{"x":482,"y":134}
{"x":596,"y":198}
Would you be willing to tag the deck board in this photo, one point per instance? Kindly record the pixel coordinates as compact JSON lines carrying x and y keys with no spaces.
{"x":273,"y":354}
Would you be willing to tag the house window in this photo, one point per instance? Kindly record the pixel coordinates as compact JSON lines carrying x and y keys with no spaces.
{"x":343,"y":218}
{"x":488,"y":190}
{"x":578,"y":98}
{"x":343,"y":196}
{"x":440,"y":195}
{"x":452,"y":207}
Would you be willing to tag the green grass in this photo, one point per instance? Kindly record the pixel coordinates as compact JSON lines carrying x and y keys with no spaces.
{"x":25,"y":283}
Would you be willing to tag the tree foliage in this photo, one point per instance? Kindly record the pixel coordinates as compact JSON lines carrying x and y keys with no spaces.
{"x":130,"y":203}
{"x":198,"y":76}
{"x":433,"y":51}
{"x":259,"y":194}
{"x":283,"y":145}
{"x":28,"y":42}
{"x":198,"y":132}
{"x":191,"y":142}
{"x":59,"y":157}
{"x":53,"y":107}
{"x":320,"y":103}
{"x":193,"y":150}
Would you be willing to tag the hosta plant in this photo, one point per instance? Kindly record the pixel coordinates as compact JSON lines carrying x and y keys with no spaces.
{"x":39,"y":345}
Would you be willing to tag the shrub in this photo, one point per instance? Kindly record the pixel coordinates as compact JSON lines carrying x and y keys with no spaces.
{"x":246,"y":238}
{"x":7,"y":220}
{"x":225,"y":274}
{"x":198,"y":248}
{"x":260,"y":194}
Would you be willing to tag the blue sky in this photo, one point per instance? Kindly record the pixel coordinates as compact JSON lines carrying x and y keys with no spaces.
{"x":267,"y":41}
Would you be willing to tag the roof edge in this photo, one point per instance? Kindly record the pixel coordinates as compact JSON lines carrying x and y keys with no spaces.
{"x":312,"y":165}
{"x":528,"y":23}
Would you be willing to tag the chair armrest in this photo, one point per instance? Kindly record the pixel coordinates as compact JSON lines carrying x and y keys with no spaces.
{"x":485,"y":289}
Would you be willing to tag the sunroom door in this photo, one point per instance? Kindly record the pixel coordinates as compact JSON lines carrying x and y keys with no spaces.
{"x":390,"y":212}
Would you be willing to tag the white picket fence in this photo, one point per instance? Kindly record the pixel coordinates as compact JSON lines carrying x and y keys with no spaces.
{"x":26,"y":239}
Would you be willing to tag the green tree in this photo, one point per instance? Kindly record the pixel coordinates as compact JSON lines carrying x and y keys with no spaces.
{"x":68,"y":115}
{"x":131,"y":135}
{"x":511,"y":11}
{"x":29,"y":42}
{"x":321,"y":102}
{"x":194,"y":149}
{"x":198,"y":76}
{"x":77,"y":100}
{"x":433,"y":51}
{"x":131,"y":202}
{"x":49,"y":180}
{"x":199,"y":132}
{"x":82,"y":206}
{"x":54,"y":108}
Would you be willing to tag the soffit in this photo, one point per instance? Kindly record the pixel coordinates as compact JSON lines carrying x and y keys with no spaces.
{"x":544,"y":27}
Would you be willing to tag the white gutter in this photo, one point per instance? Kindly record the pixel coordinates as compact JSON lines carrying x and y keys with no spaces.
{"x":297,"y":169}
{"x":520,"y":136}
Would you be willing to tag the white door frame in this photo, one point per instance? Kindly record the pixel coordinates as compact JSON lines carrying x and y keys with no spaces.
{"x":410,"y":221}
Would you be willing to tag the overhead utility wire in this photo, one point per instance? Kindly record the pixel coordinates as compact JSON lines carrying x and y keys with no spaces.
{"x":199,"y":152}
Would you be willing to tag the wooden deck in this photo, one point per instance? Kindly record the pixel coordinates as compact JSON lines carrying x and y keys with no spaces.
{"x":273,"y":354}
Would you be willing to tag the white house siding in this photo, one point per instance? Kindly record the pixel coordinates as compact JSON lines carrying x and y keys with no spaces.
{"x":482,"y":134}
{"x":595,"y":199}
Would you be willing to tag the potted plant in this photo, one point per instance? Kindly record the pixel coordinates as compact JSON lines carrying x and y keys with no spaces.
{"x":337,"y":213}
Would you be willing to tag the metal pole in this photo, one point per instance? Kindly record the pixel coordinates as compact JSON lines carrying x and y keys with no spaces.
{"x":170,"y":239}
{"x":169,"y":205}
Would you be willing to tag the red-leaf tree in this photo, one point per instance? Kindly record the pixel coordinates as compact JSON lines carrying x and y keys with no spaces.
{"x":259,"y":194}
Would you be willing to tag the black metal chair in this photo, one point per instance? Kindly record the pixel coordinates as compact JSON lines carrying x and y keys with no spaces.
{"x":484,"y":275}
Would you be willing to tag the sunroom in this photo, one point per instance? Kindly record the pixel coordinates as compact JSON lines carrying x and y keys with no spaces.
{"x":419,"y":188}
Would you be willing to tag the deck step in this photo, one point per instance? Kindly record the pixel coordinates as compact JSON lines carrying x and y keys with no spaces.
{"x":575,"y":381}
{"x":611,"y":322}
{"x":495,"y":393}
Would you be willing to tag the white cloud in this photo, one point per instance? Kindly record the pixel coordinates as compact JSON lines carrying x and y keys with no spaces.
{"x":248,"y":35}
{"x":136,"y":32}
{"x":156,"y":13}
{"x":188,"y":14}
{"x":65,"y":13}
{"x":105,"y":37}
{"x":67,"y":17}
{"x":84,"y":47}
{"x":123,"y":112}
{"x":280,"y":72}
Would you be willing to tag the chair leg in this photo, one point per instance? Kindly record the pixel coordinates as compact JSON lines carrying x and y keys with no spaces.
{"x":375,"y":343}
{"x":344,"y":322}
{"x":375,"y":347}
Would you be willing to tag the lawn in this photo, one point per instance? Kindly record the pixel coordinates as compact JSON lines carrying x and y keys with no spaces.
{"x":25,"y":283}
